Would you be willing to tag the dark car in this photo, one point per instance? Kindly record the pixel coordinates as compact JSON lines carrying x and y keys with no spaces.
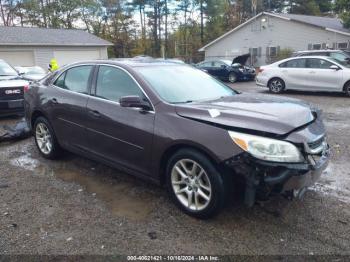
{"x":340,"y":55}
{"x":231,"y":71}
{"x":11,"y":90}
{"x":177,"y":126}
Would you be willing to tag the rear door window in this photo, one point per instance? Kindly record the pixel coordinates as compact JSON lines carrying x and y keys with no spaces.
{"x":114,"y":83}
{"x":318,"y":63}
{"x":75,"y":79}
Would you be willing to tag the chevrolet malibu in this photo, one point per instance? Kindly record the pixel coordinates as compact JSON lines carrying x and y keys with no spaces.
{"x":177,"y":126}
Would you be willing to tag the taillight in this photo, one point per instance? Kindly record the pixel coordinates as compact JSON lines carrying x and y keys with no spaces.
{"x":259,"y":70}
{"x":25,"y":88}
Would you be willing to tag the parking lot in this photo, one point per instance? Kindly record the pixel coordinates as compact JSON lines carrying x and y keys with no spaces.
{"x":77,"y":206}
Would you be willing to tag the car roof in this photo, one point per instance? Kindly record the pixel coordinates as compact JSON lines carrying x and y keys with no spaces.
{"x":303,"y":57}
{"x":126,"y":62}
{"x":318,"y":51}
{"x":215,"y":60}
{"x":310,"y":56}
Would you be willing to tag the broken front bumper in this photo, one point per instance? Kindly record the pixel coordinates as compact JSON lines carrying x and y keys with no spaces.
{"x":263,"y":178}
{"x":313,"y":174}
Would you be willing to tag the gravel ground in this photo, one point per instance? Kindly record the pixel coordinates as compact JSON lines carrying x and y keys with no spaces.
{"x":77,"y":206}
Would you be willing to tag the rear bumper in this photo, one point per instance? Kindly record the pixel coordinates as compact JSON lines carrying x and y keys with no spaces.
{"x":8,"y":107}
{"x":260,"y":82}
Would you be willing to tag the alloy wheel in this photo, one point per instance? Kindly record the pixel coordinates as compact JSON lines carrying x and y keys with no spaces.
{"x":191,"y":184}
{"x":276,"y":86}
{"x":43,"y":138}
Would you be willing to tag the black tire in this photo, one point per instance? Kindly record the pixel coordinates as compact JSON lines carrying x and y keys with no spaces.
{"x":56,"y":150}
{"x":232,"y":77}
{"x":347,"y":89}
{"x":216,"y":183}
{"x":276,"y":85}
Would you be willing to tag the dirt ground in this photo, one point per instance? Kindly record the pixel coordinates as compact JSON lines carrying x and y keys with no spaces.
{"x":77,"y":206}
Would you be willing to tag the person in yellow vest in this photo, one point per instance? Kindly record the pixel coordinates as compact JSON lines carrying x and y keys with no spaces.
{"x":53,"y":66}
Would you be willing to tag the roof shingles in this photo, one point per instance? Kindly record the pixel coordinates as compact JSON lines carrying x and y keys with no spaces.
{"x":326,"y":22}
{"x":48,"y":37}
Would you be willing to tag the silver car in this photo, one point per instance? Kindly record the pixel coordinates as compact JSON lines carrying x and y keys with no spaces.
{"x":309,"y":73}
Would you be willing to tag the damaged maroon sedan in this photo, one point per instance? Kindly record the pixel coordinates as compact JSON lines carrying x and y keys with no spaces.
{"x":177,"y":126}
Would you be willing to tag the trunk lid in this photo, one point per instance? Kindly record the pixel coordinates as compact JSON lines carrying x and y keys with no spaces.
{"x":12,"y":89}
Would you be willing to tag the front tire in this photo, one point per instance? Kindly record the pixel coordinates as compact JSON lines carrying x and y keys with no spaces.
{"x":276,"y":85}
{"x":45,"y":139}
{"x":194,"y":184}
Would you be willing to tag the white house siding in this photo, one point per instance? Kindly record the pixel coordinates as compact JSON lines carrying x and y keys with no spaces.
{"x":277,"y":33}
{"x":43,"y":55}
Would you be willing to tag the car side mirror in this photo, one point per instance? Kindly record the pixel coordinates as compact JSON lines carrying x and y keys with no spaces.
{"x":334,"y":67}
{"x":135,"y":102}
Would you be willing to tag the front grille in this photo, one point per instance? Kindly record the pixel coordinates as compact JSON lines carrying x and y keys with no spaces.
{"x":11,"y":93}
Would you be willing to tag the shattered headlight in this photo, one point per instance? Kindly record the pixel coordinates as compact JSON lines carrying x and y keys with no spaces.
{"x":267,"y":148}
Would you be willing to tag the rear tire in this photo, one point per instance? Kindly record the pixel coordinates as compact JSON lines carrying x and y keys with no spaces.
{"x":347,"y":89}
{"x":45,"y":139}
{"x":194,"y":184}
{"x":276,"y":85}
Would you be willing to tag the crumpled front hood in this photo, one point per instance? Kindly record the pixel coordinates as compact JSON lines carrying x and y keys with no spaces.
{"x":262,"y":113}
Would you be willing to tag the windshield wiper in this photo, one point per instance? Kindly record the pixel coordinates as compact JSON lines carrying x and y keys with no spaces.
{"x":183,"y":102}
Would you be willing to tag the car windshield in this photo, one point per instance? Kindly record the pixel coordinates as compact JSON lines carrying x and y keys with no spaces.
{"x":183,"y":84}
{"x":6,"y":69}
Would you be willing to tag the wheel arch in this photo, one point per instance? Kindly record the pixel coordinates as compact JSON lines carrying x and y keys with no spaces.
{"x":172,"y":149}
{"x":345,"y":84}
{"x":35,"y":114}
{"x":276,"y":77}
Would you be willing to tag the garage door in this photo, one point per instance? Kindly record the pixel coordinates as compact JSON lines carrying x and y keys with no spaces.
{"x":67,"y":57}
{"x":18,"y":58}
